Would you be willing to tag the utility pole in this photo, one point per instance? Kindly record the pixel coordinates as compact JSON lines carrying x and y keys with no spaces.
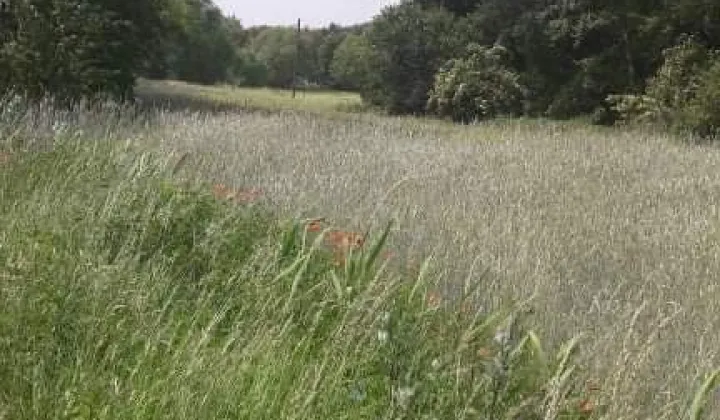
{"x":295,"y":60}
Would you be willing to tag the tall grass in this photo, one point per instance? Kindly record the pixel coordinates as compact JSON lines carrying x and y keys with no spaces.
{"x":125,"y":296}
{"x":130,"y":291}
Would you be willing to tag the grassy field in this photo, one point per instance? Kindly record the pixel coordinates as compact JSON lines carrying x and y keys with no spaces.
{"x":235,"y":98}
{"x":533,"y":270}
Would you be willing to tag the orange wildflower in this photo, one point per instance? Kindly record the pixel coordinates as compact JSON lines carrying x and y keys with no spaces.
{"x":314,"y":225}
{"x":586,"y":406}
{"x":222,"y":192}
{"x":484,"y":353}
{"x":345,"y":241}
{"x":4,"y":158}
{"x":341,"y":242}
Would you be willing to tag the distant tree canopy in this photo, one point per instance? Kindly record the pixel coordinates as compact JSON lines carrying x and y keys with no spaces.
{"x":201,"y":47}
{"x":352,"y":63}
{"x":561,"y":58}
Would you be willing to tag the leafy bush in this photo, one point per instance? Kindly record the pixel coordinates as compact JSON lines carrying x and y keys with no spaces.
{"x":684,"y":93}
{"x":477,"y":87}
{"x":701,"y":115}
{"x":677,"y":80}
{"x":639,"y":109}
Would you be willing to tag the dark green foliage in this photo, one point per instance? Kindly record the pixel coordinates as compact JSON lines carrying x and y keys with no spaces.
{"x":203,"y":51}
{"x":702,"y":113}
{"x":683,"y":94}
{"x":569,"y":55}
{"x":276,"y":49}
{"x":411,"y":44}
{"x":351,"y":67}
{"x":250,"y":71}
{"x":459,"y":7}
{"x":80,"y":48}
{"x":331,"y":38}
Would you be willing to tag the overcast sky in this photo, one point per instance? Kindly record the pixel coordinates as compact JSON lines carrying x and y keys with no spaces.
{"x":313,"y":13}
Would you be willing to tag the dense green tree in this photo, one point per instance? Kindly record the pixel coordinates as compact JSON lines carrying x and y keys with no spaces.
{"x":81,"y":47}
{"x":458,"y":7}
{"x":276,"y":49}
{"x":332,"y":37}
{"x":249,"y":71}
{"x":411,"y":43}
{"x":352,"y":63}
{"x":204,"y":52}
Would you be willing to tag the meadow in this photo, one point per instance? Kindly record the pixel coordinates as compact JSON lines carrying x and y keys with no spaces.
{"x":177,"y":94}
{"x":181,"y":264}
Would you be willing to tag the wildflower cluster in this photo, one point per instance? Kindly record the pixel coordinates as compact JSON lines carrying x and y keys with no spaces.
{"x":238,"y":196}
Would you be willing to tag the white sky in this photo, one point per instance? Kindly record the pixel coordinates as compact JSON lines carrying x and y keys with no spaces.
{"x":313,"y":13}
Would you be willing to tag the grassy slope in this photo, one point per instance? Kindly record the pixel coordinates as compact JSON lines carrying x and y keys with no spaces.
{"x":126,"y":294}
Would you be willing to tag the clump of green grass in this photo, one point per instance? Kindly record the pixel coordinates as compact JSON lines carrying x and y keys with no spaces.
{"x":126,"y":295}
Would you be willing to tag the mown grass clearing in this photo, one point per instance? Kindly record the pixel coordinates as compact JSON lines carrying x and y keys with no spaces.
{"x":248,"y":99}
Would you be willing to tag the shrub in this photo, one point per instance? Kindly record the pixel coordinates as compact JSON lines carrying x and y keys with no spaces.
{"x":477,"y":87}
{"x":639,"y":109}
{"x":701,"y":115}
{"x":684,"y":94}
{"x":676,"y":81}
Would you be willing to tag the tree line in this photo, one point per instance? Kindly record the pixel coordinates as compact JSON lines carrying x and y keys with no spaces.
{"x":651,"y":60}
{"x":79,"y":48}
